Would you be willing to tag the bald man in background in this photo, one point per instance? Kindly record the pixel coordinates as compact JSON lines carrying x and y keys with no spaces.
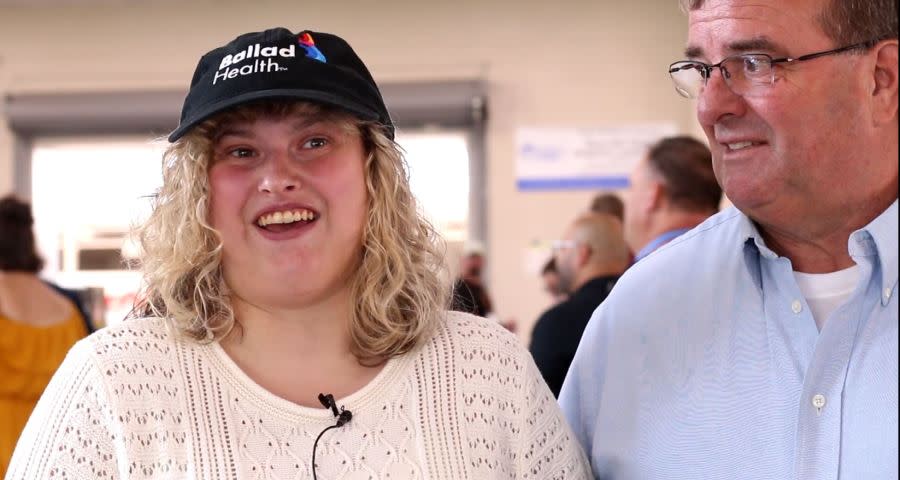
{"x":589,"y":260}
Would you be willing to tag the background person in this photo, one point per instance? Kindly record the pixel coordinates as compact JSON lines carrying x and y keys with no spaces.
{"x":608,"y":203}
{"x":589,"y":259}
{"x":470,"y":294}
{"x":550,"y":277}
{"x":672,"y":190}
{"x":38,"y":324}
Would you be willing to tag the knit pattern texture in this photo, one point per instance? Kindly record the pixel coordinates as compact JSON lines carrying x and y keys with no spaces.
{"x":137,"y":401}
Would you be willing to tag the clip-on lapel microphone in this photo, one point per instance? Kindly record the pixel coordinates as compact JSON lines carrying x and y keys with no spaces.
{"x":343,"y":417}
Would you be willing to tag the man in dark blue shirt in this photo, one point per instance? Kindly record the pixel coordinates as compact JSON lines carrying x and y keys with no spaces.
{"x":589,"y":260}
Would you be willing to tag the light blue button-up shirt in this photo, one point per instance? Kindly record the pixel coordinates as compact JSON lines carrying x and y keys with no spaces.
{"x":705,"y":363}
{"x":658,"y":242}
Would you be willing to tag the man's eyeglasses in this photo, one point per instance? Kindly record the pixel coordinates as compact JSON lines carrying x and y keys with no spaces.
{"x":742,"y":73}
{"x":563,"y":245}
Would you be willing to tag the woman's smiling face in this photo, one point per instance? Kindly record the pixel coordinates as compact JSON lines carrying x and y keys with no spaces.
{"x":288,"y":197}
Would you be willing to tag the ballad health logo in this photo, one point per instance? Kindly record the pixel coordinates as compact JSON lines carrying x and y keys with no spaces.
{"x":263,"y":60}
{"x":306,"y":41}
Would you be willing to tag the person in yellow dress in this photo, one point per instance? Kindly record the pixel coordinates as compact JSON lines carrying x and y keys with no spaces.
{"x":38,"y":325}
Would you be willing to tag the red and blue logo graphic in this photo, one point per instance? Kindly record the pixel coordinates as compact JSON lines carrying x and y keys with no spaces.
{"x":306,"y":41}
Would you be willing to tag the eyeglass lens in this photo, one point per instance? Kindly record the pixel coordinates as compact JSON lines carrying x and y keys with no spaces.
{"x":741,"y":73}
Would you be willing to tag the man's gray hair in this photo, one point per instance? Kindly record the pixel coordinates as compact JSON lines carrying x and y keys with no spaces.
{"x":847,"y":21}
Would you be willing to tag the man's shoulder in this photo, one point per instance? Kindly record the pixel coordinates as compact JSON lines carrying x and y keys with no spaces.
{"x":685,"y":268}
{"x":592,"y":293}
{"x":560,"y":310}
{"x":582,"y":303}
{"x":672,"y":295}
{"x":730,"y":223}
{"x":550,"y":323}
{"x":718,"y":237}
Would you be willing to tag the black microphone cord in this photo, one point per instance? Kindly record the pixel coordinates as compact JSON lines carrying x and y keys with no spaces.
{"x":343,"y":417}
{"x":314,"y":448}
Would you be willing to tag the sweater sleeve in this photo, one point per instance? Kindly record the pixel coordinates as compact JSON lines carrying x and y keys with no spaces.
{"x":69,"y":433}
{"x":549,"y":449}
{"x":511,"y":425}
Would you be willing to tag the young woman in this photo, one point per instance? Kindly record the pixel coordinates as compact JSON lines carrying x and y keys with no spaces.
{"x":294,"y":318}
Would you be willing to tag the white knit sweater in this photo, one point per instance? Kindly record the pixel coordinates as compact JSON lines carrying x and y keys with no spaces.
{"x":135,"y":401}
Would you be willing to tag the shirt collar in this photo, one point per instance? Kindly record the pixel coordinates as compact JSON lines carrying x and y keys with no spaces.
{"x":879,"y":238}
{"x":753,"y":247}
{"x":597,"y":284}
{"x":659,"y":241}
{"x":750,"y":235}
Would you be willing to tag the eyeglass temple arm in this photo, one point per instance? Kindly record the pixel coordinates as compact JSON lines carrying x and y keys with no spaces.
{"x":828,"y":52}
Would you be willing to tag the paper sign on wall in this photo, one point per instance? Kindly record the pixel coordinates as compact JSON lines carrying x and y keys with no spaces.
{"x":557,"y":158}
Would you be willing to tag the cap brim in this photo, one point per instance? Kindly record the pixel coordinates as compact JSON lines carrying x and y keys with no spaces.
{"x":292,"y":94}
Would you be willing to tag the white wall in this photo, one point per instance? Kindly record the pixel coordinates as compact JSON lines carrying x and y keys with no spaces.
{"x":547,"y":63}
{"x":6,"y":154}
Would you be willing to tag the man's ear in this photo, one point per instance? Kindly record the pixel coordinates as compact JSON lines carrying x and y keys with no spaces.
{"x":884,"y":86}
{"x":656,"y":196}
{"x":583,"y":254}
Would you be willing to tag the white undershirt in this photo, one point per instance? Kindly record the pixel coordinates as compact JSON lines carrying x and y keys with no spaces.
{"x":825,"y":292}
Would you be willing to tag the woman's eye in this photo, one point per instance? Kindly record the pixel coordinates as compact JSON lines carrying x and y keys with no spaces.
{"x":241,"y":153}
{"x":317,"y":142}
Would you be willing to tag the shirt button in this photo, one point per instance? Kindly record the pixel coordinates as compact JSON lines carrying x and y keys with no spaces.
{"x":887,"y":293}
{"x":818,"y":401}
{"x":796,"y":306}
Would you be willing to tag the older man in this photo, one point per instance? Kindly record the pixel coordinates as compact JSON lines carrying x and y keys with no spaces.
{"x":763,"y":344}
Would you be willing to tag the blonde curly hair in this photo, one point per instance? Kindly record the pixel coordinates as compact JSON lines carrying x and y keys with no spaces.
{"x":399,"y":287}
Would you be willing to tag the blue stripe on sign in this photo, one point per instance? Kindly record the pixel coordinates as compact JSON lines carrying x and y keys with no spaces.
{"x":572,"y":183}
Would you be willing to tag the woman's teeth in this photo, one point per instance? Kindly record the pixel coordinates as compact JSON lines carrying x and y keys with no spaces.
{"x":740,"y":145}
{"x":287,"y":216}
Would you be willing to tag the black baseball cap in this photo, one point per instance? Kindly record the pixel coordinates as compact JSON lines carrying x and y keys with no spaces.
{"x":313,"y":66}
